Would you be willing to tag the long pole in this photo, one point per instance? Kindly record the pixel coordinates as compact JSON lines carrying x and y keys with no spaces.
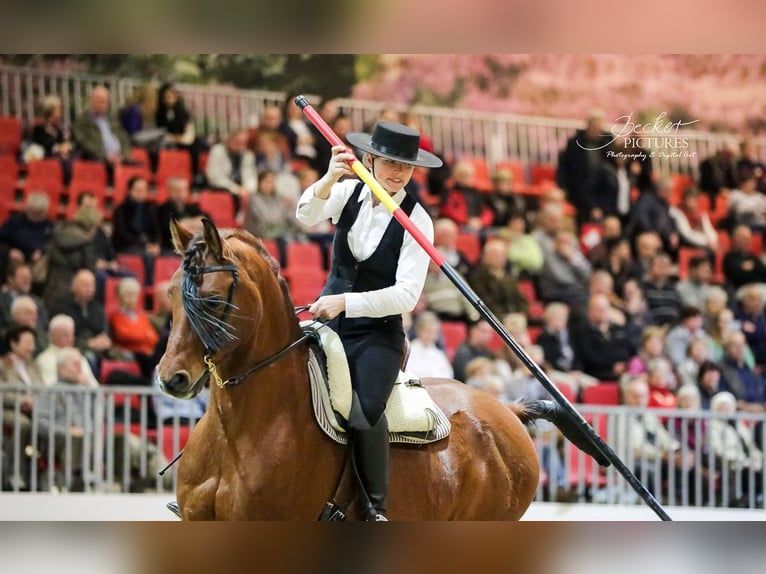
{"x":484,"y":311}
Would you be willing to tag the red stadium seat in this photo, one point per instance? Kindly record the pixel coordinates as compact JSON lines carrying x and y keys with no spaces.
{"x":542,"y":173}
{"x":470,"y":246}
{"x":301,"y":258}
{"x":306,"y":286}
{"x":482,"y":180}
{"x":516,"y":168}
{"x":454,"y":334}
{"x":685,"y":255}
{"x":52,"y":187}
{"x":45,"y":169}
{"x":601,"y":394}
{"x":173,"y":162}
{"x":77,"y":188}
{"x":165,"y":266}
{"x":89,"y":171}
{"x":9,"y":167}
{"x":219,"y":205}
{"x":10,"y":135}
{"x":133,"y":263}
{"x":108,"y":366}
{"x":140,"y":156}
{"x":7,"y":192}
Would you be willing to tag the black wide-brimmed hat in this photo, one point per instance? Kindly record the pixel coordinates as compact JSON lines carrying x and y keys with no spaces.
{"x":394,"y":141}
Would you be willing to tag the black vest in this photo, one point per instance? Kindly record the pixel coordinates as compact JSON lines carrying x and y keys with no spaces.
{"x":378,"y":271}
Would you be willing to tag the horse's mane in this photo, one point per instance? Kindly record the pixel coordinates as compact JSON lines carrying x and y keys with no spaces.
{"x":251,"y":241}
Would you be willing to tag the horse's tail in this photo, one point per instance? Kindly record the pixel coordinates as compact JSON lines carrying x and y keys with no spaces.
{"x":529,"y":411}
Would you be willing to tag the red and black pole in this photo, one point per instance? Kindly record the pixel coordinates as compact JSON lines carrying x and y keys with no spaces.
{"x":575,"y":421}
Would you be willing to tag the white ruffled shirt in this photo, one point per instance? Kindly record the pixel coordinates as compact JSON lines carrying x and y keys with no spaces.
{"x":364,"y":237}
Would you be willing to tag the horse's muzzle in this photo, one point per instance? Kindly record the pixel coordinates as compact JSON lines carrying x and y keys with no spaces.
{"x":180,"y":385}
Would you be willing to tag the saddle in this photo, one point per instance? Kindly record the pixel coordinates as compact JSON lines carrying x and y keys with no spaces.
{"x":413,"y":417}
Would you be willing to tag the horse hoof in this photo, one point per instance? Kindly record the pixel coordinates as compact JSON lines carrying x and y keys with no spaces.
{"x":173,"y":507}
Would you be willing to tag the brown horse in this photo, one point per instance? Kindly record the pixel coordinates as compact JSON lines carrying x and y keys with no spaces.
{"x":259,"y":454}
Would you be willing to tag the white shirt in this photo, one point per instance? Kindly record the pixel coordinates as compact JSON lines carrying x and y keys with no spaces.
{"x":363,"y":238}
{"x":428,"y":361}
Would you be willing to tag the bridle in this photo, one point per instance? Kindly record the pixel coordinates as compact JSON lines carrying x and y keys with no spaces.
{"x":214,"y":331}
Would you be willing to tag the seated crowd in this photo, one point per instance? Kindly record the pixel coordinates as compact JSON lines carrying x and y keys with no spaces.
{"x":661,"y":295}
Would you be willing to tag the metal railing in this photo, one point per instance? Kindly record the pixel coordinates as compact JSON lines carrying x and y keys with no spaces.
{"x":121,"y":449}
{"x":218,"y":110}
{"x":84,"y":439}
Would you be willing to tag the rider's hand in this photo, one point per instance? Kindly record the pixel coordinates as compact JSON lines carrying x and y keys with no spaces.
{"x":339,"y":162}
{"x":328,"y":307}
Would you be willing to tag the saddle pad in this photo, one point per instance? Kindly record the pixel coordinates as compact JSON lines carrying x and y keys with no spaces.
{"x":412,"y":415}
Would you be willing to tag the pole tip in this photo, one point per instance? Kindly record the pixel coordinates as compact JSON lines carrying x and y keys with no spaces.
{"x":301,"y":102}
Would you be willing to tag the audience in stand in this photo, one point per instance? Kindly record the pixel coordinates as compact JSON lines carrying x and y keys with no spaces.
{"x":61,"y":335}
{"x":25,"y":236}
{"x":693,"y":224}
{"x":426,"y":359}
{"x":718,"y":173}
{"x":464,"y":204}
{"x":739,"y":379}
{"x":231,"y":167}
{"x":475,"y":345}
{"x":740,"y":265}
{"x":53,"y":136}
{"x":98,"y":134}
{"x":493,"y":281}
{"x":178,"y":208}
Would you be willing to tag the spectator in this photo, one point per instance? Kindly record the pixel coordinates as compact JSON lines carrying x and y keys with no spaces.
{"x":602,"y":347}
{"x":679,"y":337}
{"x":231,"y":167}
{"x":708,"y":382}
{"x":178,"y":208}
{"x":504,"y":201}
{"x":26,"y":312}
{"x":131,"y":331}
{"x":692,"y":430}
{"x":753,"y":322}
{"x":718,"y":174}
{"x":607,"y":190}
{"x":580,"y":159}
{"x":98,"y":135}
{"x":18,"y":368}
{"x":737,"y":455}
{"x":53,"y":137}
{"x":601,"y":283}
{"x":73,"y":248}
{"x":507,"y":360}
{"x":160,"y":320}
{"x":740,"y":379}
{"x":660,"y":378}
{"x":464,"y":204}
{"x":494,"y":283}
{"x":748,"y":163}
{"x":69,"y":417}
{"x":635,"y":311}
{"x":648,"y":246}
{"x":652,"y":213}
{"x":139,"y":112}
{"x":693,"y":224}
{"x":651,"y":446}
{"x":297,"y":132}
{"x":724,"y":323}
{"x":443,"y":298}
{"x":136,"y":225}
{"x":61,"y":336}
{"x":267,"y":215}
{"x":619,"y":263}
{"x":716,"y":301}
{"x":25,"y":236}
{"x":173,"y":116}
{"x":747,"y":206}
{"x":697,"y":354}
{"x":549,"y":222}
{"x":693,"y":291}
{"x":660,"y":292}
{"x":652,"y":351}
{"x":564,"y":277}
{"x":426,"y":359}
{"x":611,"y":231}
{"x":740,"y":266}
{"x":88,"y":315}
{"x":524,"y":254}
{"x":18,"y":283}
{"x":106,"y":256}
{"x":445,"y":240}
{"x":475,"y":345}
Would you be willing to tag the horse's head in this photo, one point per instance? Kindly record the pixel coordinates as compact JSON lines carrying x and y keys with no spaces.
{"x":218,"y":298}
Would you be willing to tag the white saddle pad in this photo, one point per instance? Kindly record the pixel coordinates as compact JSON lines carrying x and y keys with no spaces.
{"x":413,"y":417}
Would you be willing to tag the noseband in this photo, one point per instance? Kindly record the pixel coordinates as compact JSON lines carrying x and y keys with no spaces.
{"x":214,"y":331}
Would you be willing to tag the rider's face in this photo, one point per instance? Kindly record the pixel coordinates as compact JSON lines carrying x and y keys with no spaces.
{"x":392,"y":175}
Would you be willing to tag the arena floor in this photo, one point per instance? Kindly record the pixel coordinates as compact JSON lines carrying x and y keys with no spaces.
{"x":151,"y":507}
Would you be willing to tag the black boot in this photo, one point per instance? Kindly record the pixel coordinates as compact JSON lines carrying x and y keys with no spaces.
{"x":370,"y":459}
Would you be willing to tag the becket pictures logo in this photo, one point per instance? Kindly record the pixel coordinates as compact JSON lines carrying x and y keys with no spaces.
{"x":658,"y":138}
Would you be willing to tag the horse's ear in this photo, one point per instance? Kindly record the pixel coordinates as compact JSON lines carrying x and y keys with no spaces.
{"x":180,"y":235}
{"x":212,"y":239}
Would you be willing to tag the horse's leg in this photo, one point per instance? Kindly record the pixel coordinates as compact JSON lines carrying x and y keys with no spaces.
{"x":198,"y":476}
